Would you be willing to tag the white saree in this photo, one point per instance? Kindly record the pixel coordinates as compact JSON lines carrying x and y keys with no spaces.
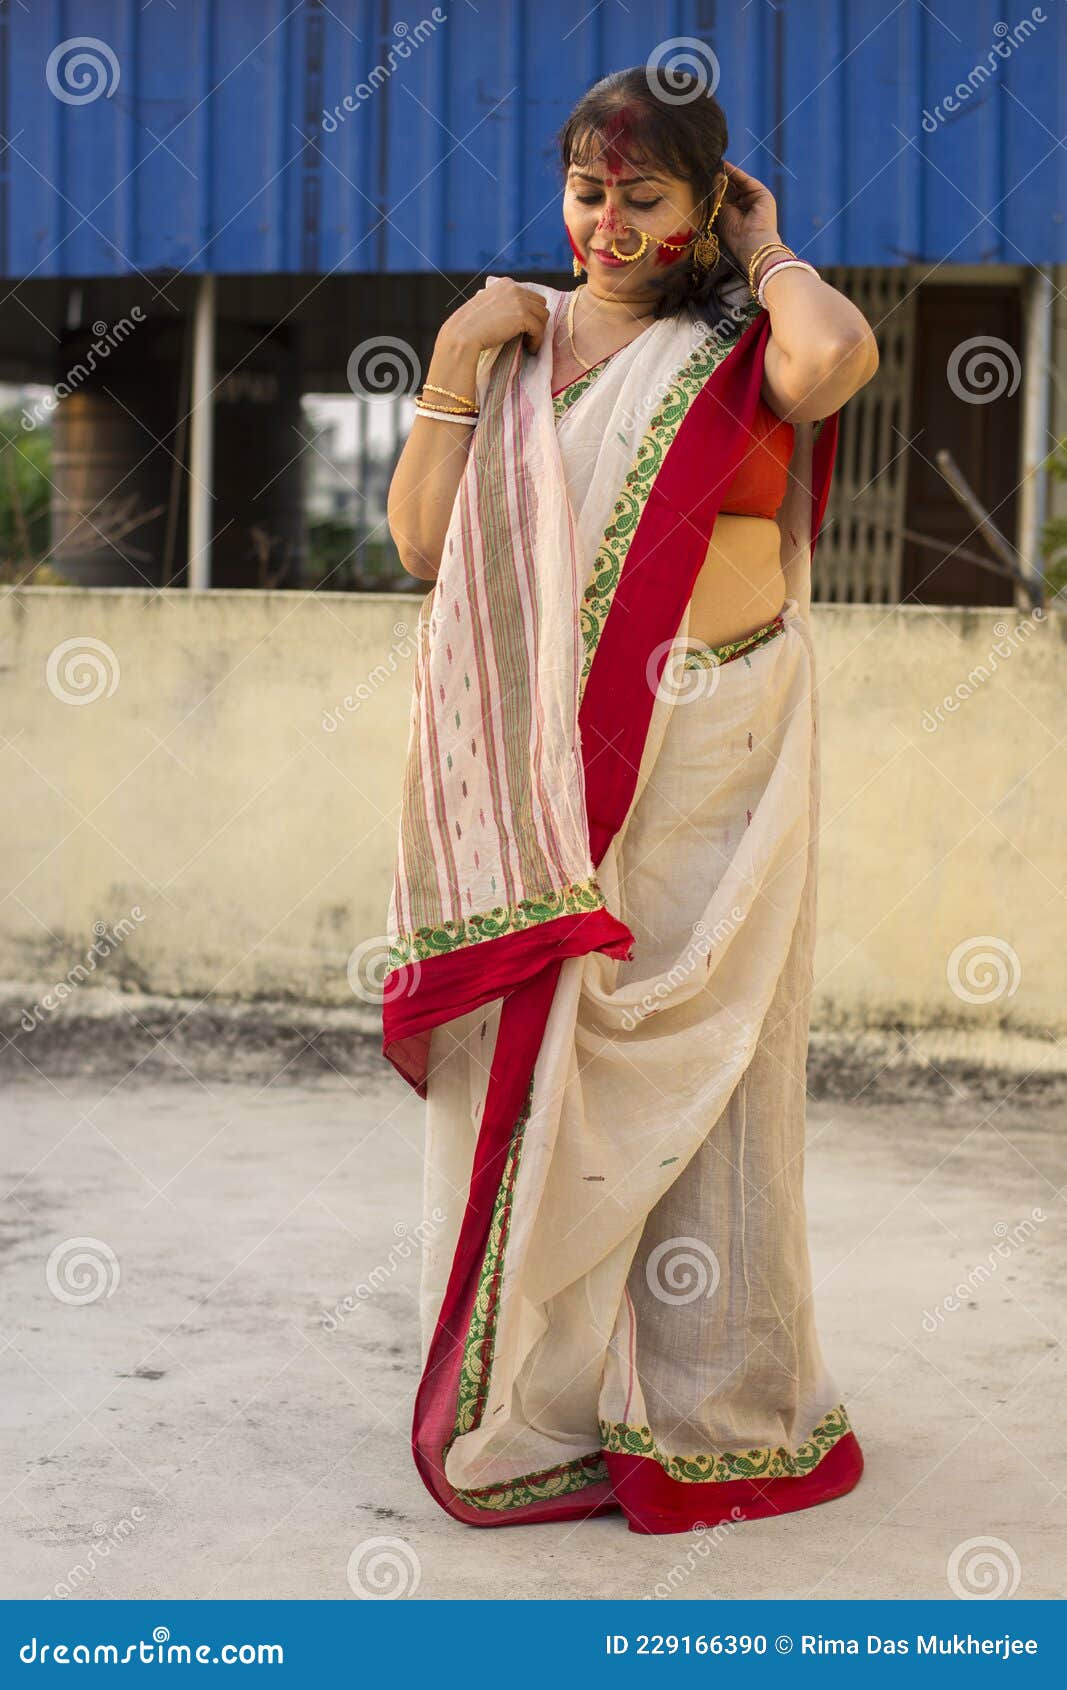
{"x":644,"y":1328}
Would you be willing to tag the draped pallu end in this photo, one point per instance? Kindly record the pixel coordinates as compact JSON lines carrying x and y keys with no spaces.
{"x":422,"y":995}
{"x":655,"y":1503}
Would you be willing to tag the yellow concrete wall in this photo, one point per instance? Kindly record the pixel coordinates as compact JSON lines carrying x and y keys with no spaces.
{"x":212,"y":780}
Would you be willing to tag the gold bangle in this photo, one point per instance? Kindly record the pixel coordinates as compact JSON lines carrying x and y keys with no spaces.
{"x":759,"y":258}
{"x":447,"y":391}
{"x":768,"y":246}
{"x":445,"y":410}
{"x":773,"y":252}
{"x":760,"y":254}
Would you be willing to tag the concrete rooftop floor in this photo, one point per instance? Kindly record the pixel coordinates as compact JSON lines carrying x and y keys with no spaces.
{"x":194,"y":1430}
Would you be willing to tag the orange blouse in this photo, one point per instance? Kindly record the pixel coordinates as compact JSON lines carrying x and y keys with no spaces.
{"x":759,"y":485}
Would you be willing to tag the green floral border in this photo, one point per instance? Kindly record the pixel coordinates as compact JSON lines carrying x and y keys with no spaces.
{"x":480,"y":1341}
{"x":781,"y":1463}
{"x":578,"y":898}
{"x":618,"y":1438}
{"x":566,"y":397}
{"x":713,"y":656}
{"x":545,"y":1486}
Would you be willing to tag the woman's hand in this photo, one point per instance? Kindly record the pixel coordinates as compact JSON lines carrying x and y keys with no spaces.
{"x":821,"y":349}
{"x":423,"y":490}
{"x":748,"y":216}
{"x":503,"y":309}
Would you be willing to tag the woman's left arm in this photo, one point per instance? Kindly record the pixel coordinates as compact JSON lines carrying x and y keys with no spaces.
{"x":821,"y":349}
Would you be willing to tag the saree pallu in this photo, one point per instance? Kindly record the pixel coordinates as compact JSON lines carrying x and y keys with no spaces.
{"x":601,"y":938}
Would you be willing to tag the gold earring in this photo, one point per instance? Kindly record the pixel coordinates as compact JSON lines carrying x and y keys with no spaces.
{"x":706,"y":247}
{"x":577,"y":266}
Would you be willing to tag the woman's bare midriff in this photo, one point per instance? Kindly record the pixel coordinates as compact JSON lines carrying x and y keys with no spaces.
{"x":740,"y":585}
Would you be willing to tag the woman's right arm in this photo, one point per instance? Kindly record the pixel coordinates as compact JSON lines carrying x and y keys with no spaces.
{"x":428,"y":471}
{"x":430,"y":467}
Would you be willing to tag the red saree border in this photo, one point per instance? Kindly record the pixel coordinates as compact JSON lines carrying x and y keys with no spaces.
{"x":822,"y":468}
{"x":662,"y":563}
{"x":421,"y":995}
{"x":664,"y":556}
{"x":655,"y":1503}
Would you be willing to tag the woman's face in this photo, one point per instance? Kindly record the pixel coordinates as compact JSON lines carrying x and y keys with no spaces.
{"x":607,"y":200}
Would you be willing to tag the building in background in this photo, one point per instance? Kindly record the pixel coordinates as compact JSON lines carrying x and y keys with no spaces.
{"x":209,"y":213}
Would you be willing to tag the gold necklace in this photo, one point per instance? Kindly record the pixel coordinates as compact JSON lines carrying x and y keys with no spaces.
{"x":570,"y":331}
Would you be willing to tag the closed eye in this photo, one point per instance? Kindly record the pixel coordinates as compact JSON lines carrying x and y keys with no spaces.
{"x":638,"y":205}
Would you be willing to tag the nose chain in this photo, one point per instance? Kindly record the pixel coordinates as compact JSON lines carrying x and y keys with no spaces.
{"x":632,"y":257}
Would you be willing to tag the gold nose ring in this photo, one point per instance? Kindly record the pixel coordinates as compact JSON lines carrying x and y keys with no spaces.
{"x":630,"y":257}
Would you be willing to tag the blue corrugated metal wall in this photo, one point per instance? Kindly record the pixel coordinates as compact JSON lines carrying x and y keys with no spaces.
{"x":209,"y":153}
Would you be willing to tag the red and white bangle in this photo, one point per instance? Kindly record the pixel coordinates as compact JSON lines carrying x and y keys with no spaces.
{"x":782,"y":264}
{"x":433,"y":414}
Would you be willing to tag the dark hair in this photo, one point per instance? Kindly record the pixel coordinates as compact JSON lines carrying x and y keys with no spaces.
{"x":671,"y":120}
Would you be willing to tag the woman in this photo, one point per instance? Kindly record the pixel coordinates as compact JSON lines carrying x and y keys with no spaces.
{"x":602,"y":922}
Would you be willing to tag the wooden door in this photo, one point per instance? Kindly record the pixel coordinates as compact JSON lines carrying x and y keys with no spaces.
{"x":953,"y":406}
